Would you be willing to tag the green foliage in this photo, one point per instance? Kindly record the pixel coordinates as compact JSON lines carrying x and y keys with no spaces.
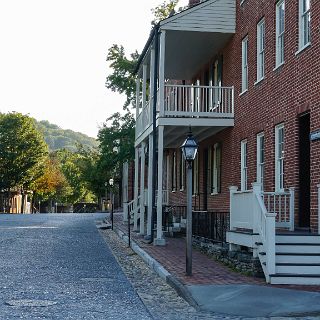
{"x":74,"y":168}
{"x":122,"y":80}
{"x":116,"y":139}
{"x":58,"y":138}
{"x":164,"y":10}
{"x":22,"y":151}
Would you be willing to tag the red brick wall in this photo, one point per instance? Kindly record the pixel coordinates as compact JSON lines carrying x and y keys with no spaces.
{"x":285,"y":93}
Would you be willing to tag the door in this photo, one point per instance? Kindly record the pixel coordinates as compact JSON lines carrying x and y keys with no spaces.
{"x":304,"y":171}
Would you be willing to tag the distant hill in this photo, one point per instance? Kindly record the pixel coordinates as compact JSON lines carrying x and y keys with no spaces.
{"x":58,"y":138}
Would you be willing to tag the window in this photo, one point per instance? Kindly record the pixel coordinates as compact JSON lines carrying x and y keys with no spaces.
{"x":279,"y":161}
{"x":245,"y":64}
{"x":182,"y":171}
{"x":215,"y":165}
{"x":244,"y":166}
{"x":304,"y":23}
{"x":260,"y":49}
{"x":260,"y":159}
{"x":174,"y":172}
{"x":279,"y":33}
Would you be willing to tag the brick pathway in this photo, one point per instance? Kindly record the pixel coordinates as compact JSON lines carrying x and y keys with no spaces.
{"x":205,"y":270}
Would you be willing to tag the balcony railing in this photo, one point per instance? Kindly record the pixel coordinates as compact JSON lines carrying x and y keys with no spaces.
{"x":189,"y":101}
{"x":207,"y":101}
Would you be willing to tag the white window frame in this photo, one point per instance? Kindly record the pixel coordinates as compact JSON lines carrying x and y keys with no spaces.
{"x":244,"y":65}
{"x":261,"y":26}
{"x":244,"y":165}
{"x":260,"y":158}
{"x":304,"y":23}
{"x":279,"y":157}
{"x":216,"y":167}
{"x":280,"y":29}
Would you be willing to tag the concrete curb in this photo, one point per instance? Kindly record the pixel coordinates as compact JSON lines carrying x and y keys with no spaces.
{"x":171,"y":280}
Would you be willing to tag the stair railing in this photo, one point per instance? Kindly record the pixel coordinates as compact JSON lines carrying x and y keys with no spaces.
{"x":265,"y":226}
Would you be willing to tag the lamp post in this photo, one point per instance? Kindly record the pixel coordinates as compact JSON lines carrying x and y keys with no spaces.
{"x":56,"y":207}
{"x":111,"y":202}
{"x":39,"y":205}
{"x":189,"y":150}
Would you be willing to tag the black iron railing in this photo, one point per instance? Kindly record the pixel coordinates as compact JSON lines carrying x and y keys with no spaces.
{"x":211,"y":226}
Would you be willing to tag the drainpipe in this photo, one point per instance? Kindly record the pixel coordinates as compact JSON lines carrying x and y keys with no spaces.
{"x":154,"y":128}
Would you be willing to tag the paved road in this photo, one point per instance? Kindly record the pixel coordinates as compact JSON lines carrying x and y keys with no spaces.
{"x":58,"y":267}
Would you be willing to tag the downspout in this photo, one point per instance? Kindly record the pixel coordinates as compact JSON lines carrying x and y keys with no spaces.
{"x":154,"y":128}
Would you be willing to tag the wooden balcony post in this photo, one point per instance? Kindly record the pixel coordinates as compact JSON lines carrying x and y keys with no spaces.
{"x":161,"y":70}
{"x":143,"y":146}
{"x":151,"y":87}
{"x":150,"y":182}
{"x":144,"y":85}
{"x":136,"y":189}
{"x":137,"y":97}
{"x":160,"y":241}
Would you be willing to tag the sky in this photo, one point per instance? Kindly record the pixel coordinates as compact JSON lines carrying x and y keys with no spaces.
{"x":53,"y":57}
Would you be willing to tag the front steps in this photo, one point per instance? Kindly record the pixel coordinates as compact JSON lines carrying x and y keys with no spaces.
{"x":297,"y":259}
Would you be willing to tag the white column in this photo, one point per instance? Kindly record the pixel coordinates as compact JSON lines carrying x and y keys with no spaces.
{"x":150,"y":180}
{"x":318,"y":186}
{"x":161,"y":70}
{"x":291,"y":208}
{"x":151,"y":87}
{"x":125,"y":178}
{"x":144,"y":85}
{"x":142,"y":229}
{"x":137,"y":97}
{"x":160,"y":241}
{"x":136,"y":189}
{"x":233,"y":189}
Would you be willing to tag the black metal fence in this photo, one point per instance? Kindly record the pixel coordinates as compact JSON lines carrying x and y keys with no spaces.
{"x":212,"y":226}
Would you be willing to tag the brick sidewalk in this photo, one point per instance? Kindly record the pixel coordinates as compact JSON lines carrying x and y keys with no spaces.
{"x":205,"y":270}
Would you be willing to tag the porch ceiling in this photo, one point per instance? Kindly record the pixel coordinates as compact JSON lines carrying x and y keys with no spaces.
{"x":188,"y":51}
{"x":175,"y":135}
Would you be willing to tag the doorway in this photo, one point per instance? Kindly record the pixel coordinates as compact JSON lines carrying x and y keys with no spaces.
{"x":304,"y":171}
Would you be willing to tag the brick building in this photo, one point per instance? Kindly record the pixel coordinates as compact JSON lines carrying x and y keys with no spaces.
{"x":245,"y":76}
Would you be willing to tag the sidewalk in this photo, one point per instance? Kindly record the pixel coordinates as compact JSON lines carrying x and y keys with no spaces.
{"x":215,"y":287}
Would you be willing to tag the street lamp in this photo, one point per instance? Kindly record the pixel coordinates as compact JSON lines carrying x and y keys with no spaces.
{"x":39,"y":205}
{"x":111,"y":202}
{"x":189,"y":150}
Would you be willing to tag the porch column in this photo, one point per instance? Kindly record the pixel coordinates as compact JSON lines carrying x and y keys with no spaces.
{"x":151,"y":86}
{"x":160,"y":241}
{"x":136,"y":189}
{"x":161,"y":71}
{"x":150,"y":180}
{"x":144,"y":85}
{"x":143,"y":146}
{"x":125,"y":177}
{"x":137,"y":97}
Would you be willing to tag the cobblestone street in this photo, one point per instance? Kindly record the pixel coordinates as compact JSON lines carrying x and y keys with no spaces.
{"x":161,"y":299}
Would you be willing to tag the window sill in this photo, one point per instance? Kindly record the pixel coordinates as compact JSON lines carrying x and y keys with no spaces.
{"x":214,"y":193}
{"x":182,"y":189}
{"x":258,"y":81}
{"x":173,"y":191}
{"x":243,"y":92}
{"x":303,"y":48}
{"x":278,"y":66}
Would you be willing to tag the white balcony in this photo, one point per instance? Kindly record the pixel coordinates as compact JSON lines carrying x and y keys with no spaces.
{"x":205,"y":108}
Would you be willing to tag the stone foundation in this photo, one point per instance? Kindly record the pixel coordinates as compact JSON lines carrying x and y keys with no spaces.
{"x":241,"y":260}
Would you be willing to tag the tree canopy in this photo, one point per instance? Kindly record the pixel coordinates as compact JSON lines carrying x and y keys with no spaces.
{"x":22,"y":151}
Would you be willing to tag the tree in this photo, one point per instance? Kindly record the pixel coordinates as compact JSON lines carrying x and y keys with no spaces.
{"x":164,"y":10}
{"x":116,"y":139}
{"x":22,"y":151}
{"x":122,"y":79}
{"x":52,"y":184}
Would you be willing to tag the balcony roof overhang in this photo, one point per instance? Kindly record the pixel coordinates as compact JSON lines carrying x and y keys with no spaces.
{"x":193,"y":37}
